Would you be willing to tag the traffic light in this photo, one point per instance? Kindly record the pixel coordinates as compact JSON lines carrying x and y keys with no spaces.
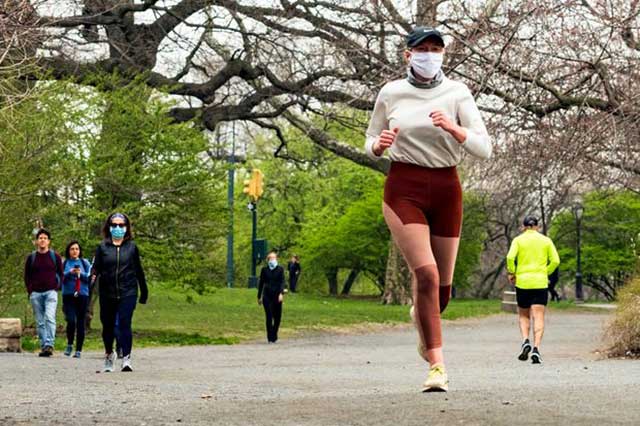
{"x":258,"y":183}
{"x":255,"y":186}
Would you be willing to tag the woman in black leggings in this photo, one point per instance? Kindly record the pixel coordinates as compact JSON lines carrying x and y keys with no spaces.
{"x":75,"y":295}
{"x":119,"y":270}
{"x":271,"y":295}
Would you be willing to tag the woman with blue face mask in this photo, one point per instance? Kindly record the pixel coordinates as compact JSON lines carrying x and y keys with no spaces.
{"x":271,"y":295}
{"x":119,"y":270}
{"x":427,"y":123}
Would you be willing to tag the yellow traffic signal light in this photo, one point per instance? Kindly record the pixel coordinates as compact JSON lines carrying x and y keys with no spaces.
{"x":258,"y":183}
{"x":255,"y":186}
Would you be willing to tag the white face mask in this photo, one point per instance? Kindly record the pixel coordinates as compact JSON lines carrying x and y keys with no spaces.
{"x":426,"y":64}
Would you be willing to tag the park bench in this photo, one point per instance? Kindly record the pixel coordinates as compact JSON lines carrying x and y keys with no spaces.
{"x":509,"y":303}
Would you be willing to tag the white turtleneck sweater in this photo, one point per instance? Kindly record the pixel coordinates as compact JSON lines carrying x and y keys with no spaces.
{"x":402,"y":105}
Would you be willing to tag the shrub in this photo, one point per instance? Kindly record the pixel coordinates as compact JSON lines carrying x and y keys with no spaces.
{"x":623,"y":331}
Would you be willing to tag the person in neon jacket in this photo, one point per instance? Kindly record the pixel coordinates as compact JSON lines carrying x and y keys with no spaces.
{"x":531,"y":259}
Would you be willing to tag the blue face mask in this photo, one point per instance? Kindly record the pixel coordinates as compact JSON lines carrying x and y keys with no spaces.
{"x":117,"y":232}
{"x":273,"y":263}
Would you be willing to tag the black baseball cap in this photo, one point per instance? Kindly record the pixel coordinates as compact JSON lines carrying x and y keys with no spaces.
{"x":420,"y":34}
{"x":530,"y":221}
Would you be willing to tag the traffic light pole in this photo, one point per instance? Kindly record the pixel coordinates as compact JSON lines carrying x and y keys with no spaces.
{"x":253,"y":280}
{"x":253,"y":188}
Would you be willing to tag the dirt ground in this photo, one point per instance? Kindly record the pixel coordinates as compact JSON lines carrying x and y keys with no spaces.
{"x":337,"y":379}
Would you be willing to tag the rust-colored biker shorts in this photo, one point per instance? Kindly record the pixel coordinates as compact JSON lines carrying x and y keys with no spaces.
{"x":430,"y":196}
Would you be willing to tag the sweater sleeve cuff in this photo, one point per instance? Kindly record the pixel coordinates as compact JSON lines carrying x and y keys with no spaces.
{"x":368,"y":147}
{"x":477,"y":145}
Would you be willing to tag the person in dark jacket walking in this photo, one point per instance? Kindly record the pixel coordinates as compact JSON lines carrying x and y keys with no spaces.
{"x":118,"y":267}
{"x":271,"y":294}
{"x":294,"y":272}
{"x":75,"y":295}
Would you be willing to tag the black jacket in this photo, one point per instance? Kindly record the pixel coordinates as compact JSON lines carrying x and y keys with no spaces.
{"x":120,"y":271}
{"x":271,"y":281}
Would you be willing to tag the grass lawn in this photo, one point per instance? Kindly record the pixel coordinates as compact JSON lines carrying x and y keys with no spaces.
{"x":228,"y":316}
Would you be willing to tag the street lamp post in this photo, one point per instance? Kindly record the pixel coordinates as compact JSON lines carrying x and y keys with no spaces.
{"x":230,"y":195}
{"x":578,"y":210}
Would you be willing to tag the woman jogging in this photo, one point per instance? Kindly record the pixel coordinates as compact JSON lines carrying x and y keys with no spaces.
{"x":427,"y":122}
{"x":117,"y":265}
{"x":75,"y":295}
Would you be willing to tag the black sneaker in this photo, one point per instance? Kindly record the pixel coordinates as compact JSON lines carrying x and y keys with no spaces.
{"x":535,"y":357}
{"x":47,"y":351}
{"x":524,"y":351}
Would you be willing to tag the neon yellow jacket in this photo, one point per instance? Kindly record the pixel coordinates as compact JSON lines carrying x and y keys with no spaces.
{"x":537,"y":258}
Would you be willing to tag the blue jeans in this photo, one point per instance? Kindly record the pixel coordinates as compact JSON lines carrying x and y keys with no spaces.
{"x":44,"y":306}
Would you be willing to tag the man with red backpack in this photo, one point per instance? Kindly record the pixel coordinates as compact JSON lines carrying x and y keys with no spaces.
{"x":42,"y":277}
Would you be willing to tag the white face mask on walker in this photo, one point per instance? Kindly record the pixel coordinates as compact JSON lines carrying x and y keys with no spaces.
{"x":426,"y":64}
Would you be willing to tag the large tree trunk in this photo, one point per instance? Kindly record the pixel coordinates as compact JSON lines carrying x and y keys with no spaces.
{"x":398,"y":280}
{"x":346,"y":288}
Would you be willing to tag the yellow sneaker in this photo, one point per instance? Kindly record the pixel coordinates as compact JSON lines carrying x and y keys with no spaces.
{"x":437,"y":380}
{"x":422,"y":350}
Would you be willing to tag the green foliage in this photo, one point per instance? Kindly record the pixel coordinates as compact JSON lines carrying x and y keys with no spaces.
{"x":324,"y":208}
{"x":471,"y":241}
{"x":151,"y":168}
{"x":30,"y":171}
{"x":609,"y":242}
{"x":70,"y":156}
{"x":349,"y":234}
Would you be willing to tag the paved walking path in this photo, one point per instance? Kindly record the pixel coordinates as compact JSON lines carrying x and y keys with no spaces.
{"x":363,"y":379}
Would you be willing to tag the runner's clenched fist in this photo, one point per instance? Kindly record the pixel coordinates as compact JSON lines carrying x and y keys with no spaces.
{"x":385,"y":140}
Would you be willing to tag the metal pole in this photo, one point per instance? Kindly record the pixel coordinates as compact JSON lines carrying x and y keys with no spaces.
{"x":579,"y":294}
{"x":230,"y":192}
{"x":230,"y":275}
{"x":253,"y":280}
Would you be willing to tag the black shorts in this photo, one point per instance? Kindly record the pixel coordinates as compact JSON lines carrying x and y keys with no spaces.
{"x":534,"y":296}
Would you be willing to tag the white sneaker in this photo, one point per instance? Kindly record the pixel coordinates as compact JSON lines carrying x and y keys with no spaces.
{"x":437,"y":380}
{"x":108,"y":362}
{"x":126,"y":363}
